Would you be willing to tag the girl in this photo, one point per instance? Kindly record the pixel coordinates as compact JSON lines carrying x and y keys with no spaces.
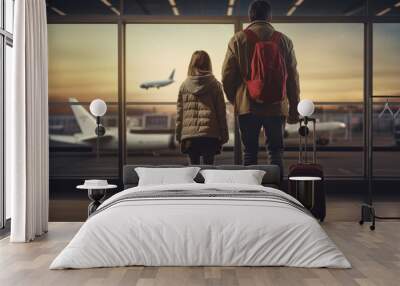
{"x":201,"y":126}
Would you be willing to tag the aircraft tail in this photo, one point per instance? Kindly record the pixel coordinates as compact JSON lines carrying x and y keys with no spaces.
{"x":171,"y":77}
{"x":86,"y":121}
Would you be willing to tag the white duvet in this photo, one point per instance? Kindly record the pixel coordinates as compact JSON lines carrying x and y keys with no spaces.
{"x":200,"y":231}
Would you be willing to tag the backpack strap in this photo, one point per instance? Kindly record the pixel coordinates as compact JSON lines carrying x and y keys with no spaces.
{"x":253,"y":39}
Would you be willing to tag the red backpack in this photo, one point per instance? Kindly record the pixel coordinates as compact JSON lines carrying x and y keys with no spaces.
{"x":268,"y":74}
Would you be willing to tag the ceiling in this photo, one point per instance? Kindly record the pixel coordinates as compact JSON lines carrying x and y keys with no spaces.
{"x":65,"y":8}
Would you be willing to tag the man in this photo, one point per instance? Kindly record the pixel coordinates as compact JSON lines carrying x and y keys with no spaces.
{"x":253,"y":115}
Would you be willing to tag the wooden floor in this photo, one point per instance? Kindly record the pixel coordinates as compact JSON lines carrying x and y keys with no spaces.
{"x":375,"y":257}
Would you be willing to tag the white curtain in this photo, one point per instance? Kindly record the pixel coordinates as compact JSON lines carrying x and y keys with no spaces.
{"x":27,"y":124}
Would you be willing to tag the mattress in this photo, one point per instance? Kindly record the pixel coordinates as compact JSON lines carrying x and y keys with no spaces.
{"x":201,"y":225}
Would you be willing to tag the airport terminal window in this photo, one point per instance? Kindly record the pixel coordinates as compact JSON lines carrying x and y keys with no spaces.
{"x":154,"y":51}
{"x":73,"y":147}
{"x":330,"y":56}
{"x":151,"y":108}
{"x":386,"y":135}
{"x":330,"y":60}
{"x":83,"y":65}
{"x":83,"y":62}
{"x":386,"y":119}
{"x":386,"y":59}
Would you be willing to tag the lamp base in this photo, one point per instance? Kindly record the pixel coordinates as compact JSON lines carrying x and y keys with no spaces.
{"x":304,"y":130}
{"x":100,"y":130}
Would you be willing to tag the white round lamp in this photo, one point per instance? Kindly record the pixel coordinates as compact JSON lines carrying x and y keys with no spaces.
{"x":98,"y":107}
{"x":306,"y":108}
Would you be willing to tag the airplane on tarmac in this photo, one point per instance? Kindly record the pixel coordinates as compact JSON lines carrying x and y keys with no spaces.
{"x":143,"y":140}
{"x":159,"y":83}
{"x":321,"y":129}
{"x":134,"y":141}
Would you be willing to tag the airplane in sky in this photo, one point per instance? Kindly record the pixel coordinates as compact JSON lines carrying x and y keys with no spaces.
{"x":159,"y":83}
{"x":135,"y":141}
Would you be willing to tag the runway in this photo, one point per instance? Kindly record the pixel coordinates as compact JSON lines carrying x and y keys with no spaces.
{"x":336,"y":164}
{"x":340,"y":158}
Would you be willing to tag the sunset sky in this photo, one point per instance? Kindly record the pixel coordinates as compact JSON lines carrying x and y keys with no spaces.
{"x":83,"y":60}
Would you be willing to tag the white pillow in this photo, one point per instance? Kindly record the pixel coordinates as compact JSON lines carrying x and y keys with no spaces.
{"x":166,"y":176}
{"x":248,"y":177}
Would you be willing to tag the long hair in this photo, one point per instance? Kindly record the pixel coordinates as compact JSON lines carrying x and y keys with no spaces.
{"x":200,"y":63}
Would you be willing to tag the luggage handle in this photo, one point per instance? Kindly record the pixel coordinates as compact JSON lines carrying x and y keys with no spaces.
{"x":304,"y":122}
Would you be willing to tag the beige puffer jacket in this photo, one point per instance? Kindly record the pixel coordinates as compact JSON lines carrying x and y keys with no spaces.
{"x":201,"y":110}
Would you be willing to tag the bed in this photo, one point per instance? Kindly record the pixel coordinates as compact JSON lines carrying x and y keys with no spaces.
{"x":197,"y":224}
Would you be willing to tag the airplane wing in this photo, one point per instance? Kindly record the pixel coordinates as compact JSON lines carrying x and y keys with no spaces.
{"x":292,"y":128}
{"x":92,"y":138}
{"x":70,"y":139}
{"x":329,"y":126}
{"x":78,"y":138}
{"x":152,"y":131}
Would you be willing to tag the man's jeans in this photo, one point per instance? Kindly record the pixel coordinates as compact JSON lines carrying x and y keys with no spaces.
{"x":250,"y":127}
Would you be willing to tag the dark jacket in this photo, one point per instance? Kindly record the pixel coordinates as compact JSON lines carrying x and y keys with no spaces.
{"x":201,"y":110}
{"x":237,"y":66}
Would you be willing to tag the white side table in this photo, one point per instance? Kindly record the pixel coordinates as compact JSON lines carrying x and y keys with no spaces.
{"x":96,"y":194}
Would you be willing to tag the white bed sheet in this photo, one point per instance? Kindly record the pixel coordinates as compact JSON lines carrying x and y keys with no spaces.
{"x":200,"y":231}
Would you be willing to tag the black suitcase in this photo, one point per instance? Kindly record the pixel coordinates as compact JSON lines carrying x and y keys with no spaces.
{"x":306,"y":178}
